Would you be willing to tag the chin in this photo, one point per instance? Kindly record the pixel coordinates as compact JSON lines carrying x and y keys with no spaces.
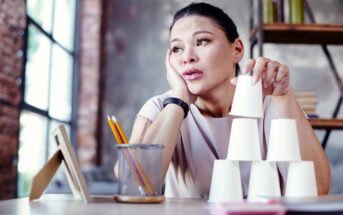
{"x":196,"y":90}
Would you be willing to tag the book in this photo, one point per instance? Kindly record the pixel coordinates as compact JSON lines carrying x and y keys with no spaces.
{"x":312,"y":116}
{"x":305,"y":93}
{"x":304,"y":100}
{"x":267,"y":10}
{"x":280,"y":11}
{"x":307,"y":101}
{"x":274,"y":12}
{"x":296,"y":11}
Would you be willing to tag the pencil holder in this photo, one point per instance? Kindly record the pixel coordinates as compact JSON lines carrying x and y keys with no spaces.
{"x":140,"y":173}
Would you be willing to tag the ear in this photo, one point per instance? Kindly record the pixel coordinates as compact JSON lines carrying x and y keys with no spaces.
{"x":238,"y":50}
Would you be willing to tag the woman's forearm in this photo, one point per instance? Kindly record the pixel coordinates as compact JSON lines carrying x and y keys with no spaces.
{"x":310,"y":146}
{"x":165,"y":130}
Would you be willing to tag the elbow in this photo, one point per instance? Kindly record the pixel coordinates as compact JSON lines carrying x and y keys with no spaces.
{"x":323,"y":184}
{"x":323,"y":190}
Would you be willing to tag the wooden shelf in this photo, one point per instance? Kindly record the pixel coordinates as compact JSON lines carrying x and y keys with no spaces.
{"x":300,"y":33}
{"x":327,"y":123}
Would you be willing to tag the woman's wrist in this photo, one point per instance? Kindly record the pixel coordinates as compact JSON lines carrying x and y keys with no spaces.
{"x":288,"y":106}
{"x":186,"y":97}
{"x":179,"y":102}
{"x":286,"y":95}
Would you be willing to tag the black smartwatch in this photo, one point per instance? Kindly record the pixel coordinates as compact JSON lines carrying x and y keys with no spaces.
{"x":182,"y":104}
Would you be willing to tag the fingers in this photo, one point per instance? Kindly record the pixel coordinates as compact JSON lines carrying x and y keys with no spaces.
{"x":264,"y":69}
{"x":274,"y":76}
{"x":249,"y":65}
{"x":270,"y":73}
{"x":176,"y":82}
{"x":167,"y":61}
{"x":167,"y":58}
{"x":282,"y":74}
{"x":234,"y":81}
{"x":260,"y":68}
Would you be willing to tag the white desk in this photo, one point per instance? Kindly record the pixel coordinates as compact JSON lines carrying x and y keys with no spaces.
{"x":65,"y":204}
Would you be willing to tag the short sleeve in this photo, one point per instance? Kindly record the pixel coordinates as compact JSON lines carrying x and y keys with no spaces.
{"x":153,"y":107}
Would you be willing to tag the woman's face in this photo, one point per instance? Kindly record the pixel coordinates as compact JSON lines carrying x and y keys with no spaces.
{"x":201,"y":54}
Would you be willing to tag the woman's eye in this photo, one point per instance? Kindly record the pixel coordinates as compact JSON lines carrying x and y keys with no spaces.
{"x":201,"y":42}
{"x":176,"y":49}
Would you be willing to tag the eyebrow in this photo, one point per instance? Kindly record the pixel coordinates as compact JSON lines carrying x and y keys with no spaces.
{"x":194,"y":33}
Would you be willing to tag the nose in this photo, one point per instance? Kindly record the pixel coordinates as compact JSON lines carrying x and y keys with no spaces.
{"x":189,"y":56}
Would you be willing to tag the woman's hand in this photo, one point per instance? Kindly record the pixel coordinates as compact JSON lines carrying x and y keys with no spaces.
{"x":177,"y":84}
{"x":274,"y":75}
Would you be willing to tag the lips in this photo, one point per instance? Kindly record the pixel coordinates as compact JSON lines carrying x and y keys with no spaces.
{"x":192,"y":74}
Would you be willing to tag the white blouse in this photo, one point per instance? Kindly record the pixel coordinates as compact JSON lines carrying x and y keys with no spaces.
{"x":201,"y":141}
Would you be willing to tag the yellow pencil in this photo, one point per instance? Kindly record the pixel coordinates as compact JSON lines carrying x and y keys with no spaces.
{"x":145,"y":178}
{"x":114,"y":130}
{"x":131,"y":163}
{"x":120,"y":129}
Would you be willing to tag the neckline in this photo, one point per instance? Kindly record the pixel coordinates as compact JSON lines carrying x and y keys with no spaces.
{"x":196,"y":109}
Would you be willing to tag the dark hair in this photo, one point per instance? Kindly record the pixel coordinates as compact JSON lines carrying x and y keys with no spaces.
{"x":212,"y":12}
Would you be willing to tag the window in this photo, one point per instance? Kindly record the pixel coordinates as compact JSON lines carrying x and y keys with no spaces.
{"x":48,"y":83}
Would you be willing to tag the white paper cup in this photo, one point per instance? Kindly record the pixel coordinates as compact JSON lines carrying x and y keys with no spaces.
{"x":283,"y":141}
{"x":226,"y":182}
{"x":247,"y":101}
{"x":301,"y":180}
{"x":264,"y":181}
{"x":244,"y":142}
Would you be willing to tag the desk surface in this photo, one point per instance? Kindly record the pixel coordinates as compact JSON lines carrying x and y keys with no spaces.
{"x":66,"y":204}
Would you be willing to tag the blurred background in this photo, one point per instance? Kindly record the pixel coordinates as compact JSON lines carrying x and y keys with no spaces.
{"x":73,"y":62}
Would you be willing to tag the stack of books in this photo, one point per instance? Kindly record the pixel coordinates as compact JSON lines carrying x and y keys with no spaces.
{"x":308,"y":102}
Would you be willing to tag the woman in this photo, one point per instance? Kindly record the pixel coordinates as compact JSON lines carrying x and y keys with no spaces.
{"x":202,"y":61}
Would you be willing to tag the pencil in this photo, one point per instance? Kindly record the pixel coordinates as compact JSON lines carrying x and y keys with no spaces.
{"x":146,"y":180}
{"x":120,"y":129}
{"x":131,"y":163}
{"x":114,"y":130}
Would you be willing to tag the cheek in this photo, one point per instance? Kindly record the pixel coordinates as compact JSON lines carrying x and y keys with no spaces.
{"x":220,"y":59}
{"x":226,"y":58}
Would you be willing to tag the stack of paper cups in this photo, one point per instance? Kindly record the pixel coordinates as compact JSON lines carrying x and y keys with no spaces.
{"x":226,"y":182}
{"x":283,"y":141}
{"x":264,"y":181}
{"x":244,"y":140}
{"x":247,"y":100}
{"x":301,"y":180}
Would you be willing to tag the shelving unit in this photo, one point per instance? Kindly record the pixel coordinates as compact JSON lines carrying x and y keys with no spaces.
{"x":300,"y":34}
{"x":284,"y":33}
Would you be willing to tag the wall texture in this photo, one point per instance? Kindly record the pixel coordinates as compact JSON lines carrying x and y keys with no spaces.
{"x":88,"y":83}
{"x":12,"y":25}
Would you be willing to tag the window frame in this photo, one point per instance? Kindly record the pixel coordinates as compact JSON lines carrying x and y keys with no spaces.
{"x":74,"y":54}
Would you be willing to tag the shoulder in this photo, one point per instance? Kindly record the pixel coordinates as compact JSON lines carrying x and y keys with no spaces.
{"x":157,"y":101}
